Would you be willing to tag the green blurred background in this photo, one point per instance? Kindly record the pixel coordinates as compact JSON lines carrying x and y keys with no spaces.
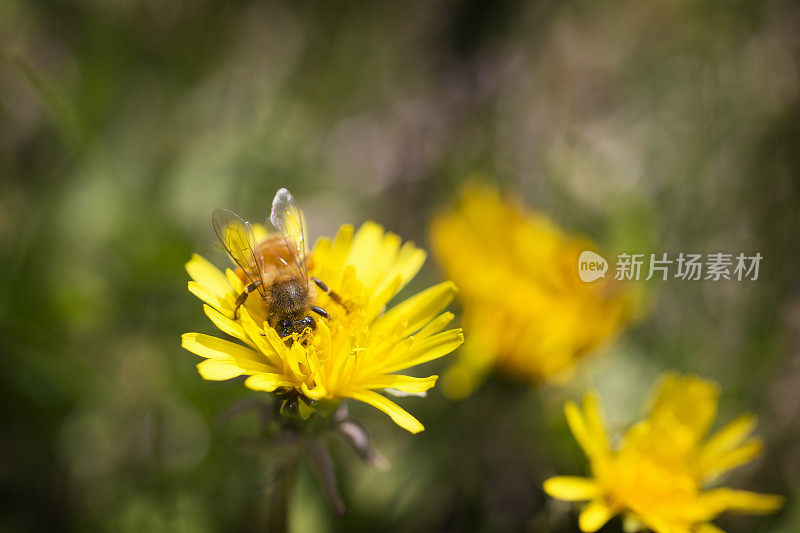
{"x":659,"y":126}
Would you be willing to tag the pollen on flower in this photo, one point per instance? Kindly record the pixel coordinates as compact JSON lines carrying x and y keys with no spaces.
{"x":357,"y":351}
{"x":659,"y":475}
{"x":525,"y":310}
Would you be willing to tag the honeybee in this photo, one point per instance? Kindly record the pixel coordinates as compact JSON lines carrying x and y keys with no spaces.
{"x":275,"y":266}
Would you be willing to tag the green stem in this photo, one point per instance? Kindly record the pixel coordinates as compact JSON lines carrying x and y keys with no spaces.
{"x":278,"y":511}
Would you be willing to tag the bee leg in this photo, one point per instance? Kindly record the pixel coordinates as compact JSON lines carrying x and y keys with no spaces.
{"x":327,"y":290}
{"x":320,"y":311}
{"x":242,"y":298}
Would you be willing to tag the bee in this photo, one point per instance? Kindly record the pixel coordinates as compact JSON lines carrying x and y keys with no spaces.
{"x":276,"y":266}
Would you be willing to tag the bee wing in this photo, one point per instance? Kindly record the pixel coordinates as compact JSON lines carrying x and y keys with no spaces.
{"x":288,"y":221}
{"x":236,"y":235}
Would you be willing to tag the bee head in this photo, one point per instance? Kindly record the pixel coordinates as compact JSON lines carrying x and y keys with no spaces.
{"x":284,"y":328}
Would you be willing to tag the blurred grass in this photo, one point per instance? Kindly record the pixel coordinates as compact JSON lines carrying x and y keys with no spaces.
{"x":664,"y":126}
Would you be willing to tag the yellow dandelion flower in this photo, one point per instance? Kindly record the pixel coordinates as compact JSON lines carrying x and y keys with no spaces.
{"x":525,"y":310}
{"x":352,"y":354}
{"x":657,"y":474}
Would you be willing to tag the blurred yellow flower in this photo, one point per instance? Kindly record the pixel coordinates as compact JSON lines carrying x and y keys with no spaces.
{"x":657,"y":474}
{"x":349,"y":355}
{"x":525,"y":310}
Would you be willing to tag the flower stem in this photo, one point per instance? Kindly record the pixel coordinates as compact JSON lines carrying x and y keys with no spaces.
{"x":278,"y":504}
